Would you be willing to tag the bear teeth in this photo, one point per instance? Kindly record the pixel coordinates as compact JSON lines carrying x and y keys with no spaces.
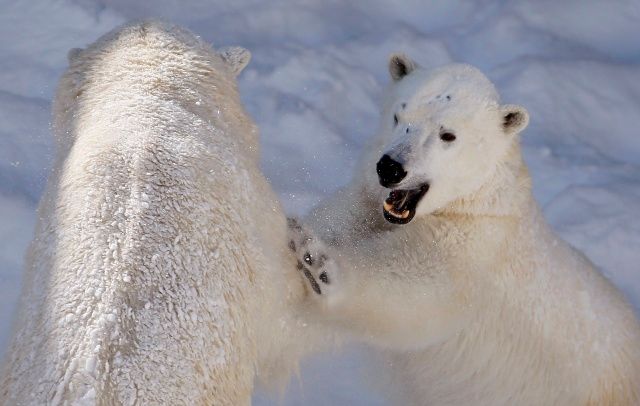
{"x":389,"y":209}
{"x":387,"y":206}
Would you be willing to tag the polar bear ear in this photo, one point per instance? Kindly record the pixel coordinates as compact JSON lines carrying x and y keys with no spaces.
{"x":400,"y":66}
{"x":236,"y":58}
{"x":73,"y":54}
{"x":514,"y":118}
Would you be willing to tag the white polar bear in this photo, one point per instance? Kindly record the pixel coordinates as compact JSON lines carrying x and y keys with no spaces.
{"x":160,"y":272}
{"x":476,"y":299}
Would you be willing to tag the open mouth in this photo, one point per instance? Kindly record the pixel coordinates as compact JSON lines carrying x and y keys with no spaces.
{"x":400,"y":206}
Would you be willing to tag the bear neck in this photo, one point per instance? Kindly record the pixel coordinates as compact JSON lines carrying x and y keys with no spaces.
{"x":507,"y":193}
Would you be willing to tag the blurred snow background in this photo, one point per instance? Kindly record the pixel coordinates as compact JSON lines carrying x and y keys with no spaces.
{"x":314,"y":88}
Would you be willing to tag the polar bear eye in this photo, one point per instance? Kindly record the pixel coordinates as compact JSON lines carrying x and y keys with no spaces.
{"x":447,"y":137}
{"x":395,"y":119}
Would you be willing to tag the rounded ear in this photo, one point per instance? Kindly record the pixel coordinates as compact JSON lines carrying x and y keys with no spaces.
{"x":73,"y":54}
{"x":236,"y":58}
{"x":514,"y":118}
{"x":400,"y":66}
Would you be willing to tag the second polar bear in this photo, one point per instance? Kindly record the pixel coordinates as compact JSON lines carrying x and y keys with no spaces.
{"x":438,"y":252}
{"x":159,"y":273}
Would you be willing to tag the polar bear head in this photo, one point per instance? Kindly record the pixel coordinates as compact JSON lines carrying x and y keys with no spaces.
{"x":151,"y":59}
{"x":444,"y":133}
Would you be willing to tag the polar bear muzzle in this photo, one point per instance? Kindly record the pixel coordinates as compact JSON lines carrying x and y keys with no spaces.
{"x":400,"y":206}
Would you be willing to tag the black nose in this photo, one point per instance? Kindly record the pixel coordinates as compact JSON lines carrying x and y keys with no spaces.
{"x":390,"y":172}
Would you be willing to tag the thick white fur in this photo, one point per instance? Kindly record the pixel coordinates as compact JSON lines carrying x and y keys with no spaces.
{"x":159,"y":273}
{"x":476,"y":300}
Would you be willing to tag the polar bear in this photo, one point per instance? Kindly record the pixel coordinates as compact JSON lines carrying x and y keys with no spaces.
{"x":160,"y":272}
{"x":438,"y":253}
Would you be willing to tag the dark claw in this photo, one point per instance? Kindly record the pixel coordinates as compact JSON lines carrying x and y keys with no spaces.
{"x":324,"y":278}
{"x":312,"y":281}
{"x":293,"y":223}
{"x":308,"y":259}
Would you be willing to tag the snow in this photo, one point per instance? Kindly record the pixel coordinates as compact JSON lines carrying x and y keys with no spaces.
{"x":314,"y":87}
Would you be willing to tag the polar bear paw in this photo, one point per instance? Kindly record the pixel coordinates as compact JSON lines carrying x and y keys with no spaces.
{"x":314,"y":261}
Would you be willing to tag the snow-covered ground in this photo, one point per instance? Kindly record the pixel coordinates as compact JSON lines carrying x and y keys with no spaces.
{"x":314,"y":87}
